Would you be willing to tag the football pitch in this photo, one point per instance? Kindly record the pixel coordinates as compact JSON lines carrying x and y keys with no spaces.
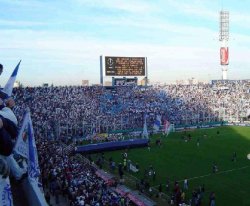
{"x":179,"y":158}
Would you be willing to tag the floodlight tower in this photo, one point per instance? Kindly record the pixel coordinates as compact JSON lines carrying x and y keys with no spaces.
{"x":224,"y":37}
{"x":1,"y":69}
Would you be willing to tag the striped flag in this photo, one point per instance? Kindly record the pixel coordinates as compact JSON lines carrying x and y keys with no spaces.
{"x":93,"y":135}
{"x":21,"y":146}
{"x":157,"y":123}
{"x":248,"y":113}
{"x":145,"y":129}
{"x":26,"y":146}
{"x":9,"y":85}
{"x":33,"y":166}
{"x":166,"y":127}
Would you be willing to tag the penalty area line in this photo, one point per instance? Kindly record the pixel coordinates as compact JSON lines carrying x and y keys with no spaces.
{"x":210,"y":174}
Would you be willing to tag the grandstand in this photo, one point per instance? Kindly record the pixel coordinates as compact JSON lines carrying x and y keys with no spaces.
{"x":186,"y":106}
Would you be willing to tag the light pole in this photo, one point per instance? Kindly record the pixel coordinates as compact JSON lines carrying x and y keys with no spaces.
{"x":1,"y":69}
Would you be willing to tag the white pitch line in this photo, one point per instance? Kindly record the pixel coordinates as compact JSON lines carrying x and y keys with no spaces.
{"x":217,"y":173}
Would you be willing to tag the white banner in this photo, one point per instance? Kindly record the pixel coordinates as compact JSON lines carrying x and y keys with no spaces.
{"x":33,"y":166}
{"x":38,"y":192}
{"x":21,"y":146}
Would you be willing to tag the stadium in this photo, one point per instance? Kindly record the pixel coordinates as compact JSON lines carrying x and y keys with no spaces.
{"x":125,"y":140}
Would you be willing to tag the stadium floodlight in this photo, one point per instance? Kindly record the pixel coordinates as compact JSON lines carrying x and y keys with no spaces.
{"x":1,"y":69}
{"x":223,"y":38}
{"x":224,"y":26}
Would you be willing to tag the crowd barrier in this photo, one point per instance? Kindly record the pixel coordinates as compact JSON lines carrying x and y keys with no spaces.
{"x":108,"y":146}
{"x":174,"y":127}
{"x":241,"y":124}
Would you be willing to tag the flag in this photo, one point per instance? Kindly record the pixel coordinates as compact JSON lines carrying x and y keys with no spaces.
{"x":157,"y":123}
{"x":248,"y":113}
{"x":9,"y":85}
{"x":5,"y":192}
{"x":93,"y":135}
{"x":33,"y":166}
{"x":26,"y":147}
{"x":38,"y":193}
{"x":166,"y":127}
{"x":21,"y":146}
{"x":93,"y":131}
{"x":145,"y":129}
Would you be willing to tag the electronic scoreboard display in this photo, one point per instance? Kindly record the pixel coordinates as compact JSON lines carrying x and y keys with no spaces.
{"x":124,"y":66}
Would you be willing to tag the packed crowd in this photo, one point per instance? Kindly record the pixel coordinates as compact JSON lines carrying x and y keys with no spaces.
{"x":64,"y":175}
{"x":105,"y":137}
{"x":207,"y":102}
{"x":82,"y":111}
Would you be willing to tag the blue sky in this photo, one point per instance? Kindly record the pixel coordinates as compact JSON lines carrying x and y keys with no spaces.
{"x":60,"y":41}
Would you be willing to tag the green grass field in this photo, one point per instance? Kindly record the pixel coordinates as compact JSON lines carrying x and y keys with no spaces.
{"x":177,"y":160}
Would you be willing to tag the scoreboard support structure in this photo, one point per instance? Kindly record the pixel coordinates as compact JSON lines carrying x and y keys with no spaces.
{"x":101,"y":71}
{"x":146,"y":77}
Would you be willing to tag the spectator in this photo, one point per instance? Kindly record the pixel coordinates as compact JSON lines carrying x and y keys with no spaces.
{"x":185,"y":184}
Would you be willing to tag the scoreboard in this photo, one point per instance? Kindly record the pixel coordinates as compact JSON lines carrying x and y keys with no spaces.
{"x":124,"y":66}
